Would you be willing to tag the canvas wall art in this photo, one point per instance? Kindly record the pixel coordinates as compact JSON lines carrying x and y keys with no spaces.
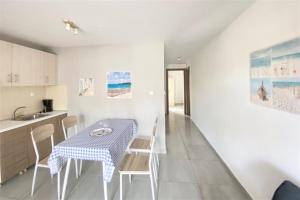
{"x":86,"y":87}
{"x":119,"y":85}
{"x":275,"y":76}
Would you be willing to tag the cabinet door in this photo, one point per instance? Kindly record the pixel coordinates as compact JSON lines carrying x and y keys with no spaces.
{"x":38,"y":67}
{"x":13,"y":152}
{"x":22,"y":67}
{"x":59,"y":134}
{"x":50,"y":69}
{"x":5,"y":63}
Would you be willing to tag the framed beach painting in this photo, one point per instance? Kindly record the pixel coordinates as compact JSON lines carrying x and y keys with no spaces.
{"x":119,"y":85}
{"x":86,"y":87}
{"x":275,"y":76}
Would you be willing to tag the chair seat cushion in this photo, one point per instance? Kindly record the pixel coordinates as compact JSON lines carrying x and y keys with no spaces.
{"x":287,"y":191}
{"x":135,"y":163}
{"x":139,"y":143}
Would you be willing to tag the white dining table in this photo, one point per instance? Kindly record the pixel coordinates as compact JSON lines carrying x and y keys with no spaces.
{"x":108,"y":149}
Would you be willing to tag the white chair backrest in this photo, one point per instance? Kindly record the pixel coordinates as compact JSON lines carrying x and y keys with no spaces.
{"x":155,"y":127}
{"x":152,"y":143}
{"x":69,"y":122}
{"x":39,"y":134}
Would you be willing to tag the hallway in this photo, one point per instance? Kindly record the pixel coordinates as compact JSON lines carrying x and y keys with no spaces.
{"x":192,"y":168}
{"x":177,"y":109}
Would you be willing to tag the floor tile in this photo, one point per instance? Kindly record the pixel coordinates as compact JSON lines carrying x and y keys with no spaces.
{"x":222,"y":192}
{"x":137,"y":190}
{"x":20,"y":186}
{"x":201,"y":152}
{"x":5,"y":198}
{"x":91,"y":187}
{"x":211,"y":172}
{"x":178,"y":190}
{"x":176,"y":170}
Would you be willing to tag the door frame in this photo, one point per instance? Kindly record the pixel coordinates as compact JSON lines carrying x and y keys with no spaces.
{"x":186,"y":82}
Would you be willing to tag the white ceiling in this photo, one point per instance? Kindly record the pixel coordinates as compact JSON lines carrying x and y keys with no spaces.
{"x":184,"y":25}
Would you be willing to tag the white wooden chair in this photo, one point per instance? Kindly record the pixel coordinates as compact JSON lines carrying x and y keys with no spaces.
{"x":40,"y":134}
{"x":141,"y":144}
{"x":139,"y":164}
{"x":68,"y":123}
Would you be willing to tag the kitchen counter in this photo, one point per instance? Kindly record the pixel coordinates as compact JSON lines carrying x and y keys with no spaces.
{"x":6,"y":125}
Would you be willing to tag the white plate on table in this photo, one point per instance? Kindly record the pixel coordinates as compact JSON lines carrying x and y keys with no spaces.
{"x":101,"y":131}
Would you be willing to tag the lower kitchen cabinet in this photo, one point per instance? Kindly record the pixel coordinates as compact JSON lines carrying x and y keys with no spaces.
{"x":16,"y":148}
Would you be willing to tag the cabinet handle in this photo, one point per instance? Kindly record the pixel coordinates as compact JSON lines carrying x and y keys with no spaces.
{"x":9,"y":78}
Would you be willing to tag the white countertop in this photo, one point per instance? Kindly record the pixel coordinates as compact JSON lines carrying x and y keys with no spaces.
{"x":6,"y":125}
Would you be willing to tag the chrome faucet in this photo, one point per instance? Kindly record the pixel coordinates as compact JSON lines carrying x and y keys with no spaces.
{"x":15,"y":111}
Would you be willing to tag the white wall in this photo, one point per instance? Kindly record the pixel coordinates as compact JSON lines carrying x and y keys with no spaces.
{"x":59,"y":95}
{"x":260,"y":145}
{"x":146,"y":63}
{"x":14,"y":97}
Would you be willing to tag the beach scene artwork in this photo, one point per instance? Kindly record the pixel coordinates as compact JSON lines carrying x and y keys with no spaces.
{"x":119,"y":85}
{"x":86,"y":87}
{"x":261,"y":91}
{"x":275,"y":76}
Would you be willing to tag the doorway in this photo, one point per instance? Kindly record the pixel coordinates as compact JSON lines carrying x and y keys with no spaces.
{"x":178,"y":91}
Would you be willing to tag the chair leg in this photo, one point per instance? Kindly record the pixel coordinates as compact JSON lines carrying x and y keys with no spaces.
{"x":154,"y":172}
{"x":58,"y":185}
{"x":80,"y":167}
{"x":34,"y":178}
{"x":130,"y":178}
{"x":76,"y":168}
{"x":156,"y":157}
{"x":152,"y":186}
{"x":104,"y":182}
{"x":121,"y":195}
{"x":66,"y":179}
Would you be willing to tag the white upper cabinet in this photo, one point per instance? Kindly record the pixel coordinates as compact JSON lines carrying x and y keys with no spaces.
{"x":23,"y":66}
{"x":50,"y":71}
{"x":5,"y":63}
{"x":23,"y":72}
{"x":38,"y":67}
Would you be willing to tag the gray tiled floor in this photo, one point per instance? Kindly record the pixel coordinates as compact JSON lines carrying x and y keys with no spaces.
{"x":191,"y":170}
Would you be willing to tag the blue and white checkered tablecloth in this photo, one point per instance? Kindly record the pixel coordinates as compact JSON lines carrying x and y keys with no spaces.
{"x":108,"y":149}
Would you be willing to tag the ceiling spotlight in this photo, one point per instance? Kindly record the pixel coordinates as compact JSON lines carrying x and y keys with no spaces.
{"x":71,"y":26}
{"x":67,"y":26}
{"x":75,"y":31}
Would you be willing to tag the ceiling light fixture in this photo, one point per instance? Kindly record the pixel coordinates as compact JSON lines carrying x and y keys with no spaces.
{"x":178,"y":58}
{"x":67,"y":26}
{"x":75,"y":31}
{"x":71,"y":26}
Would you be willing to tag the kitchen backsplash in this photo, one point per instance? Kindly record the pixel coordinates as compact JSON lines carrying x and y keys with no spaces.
{"x":13,"y":97}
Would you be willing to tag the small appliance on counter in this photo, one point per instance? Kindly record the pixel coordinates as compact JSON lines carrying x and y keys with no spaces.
{"x":48,"y":105}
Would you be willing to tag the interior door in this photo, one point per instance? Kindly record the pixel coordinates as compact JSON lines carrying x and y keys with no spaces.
{"x":5,"y":63}
{"x":187,"y":105}
{"x":171,"y":89}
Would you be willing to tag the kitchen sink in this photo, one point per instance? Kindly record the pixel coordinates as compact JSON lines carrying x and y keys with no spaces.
{"x":30,"y":117}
